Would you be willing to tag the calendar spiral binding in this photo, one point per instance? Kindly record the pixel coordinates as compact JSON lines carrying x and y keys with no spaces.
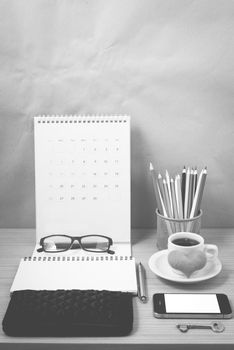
{"x":79,"y":258}
{"x":77,"y":119}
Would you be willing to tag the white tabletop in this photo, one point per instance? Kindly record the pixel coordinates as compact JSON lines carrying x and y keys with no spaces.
{"x":148,"y":332}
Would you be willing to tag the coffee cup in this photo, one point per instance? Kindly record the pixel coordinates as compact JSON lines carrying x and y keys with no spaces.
{"x":187,"y":253}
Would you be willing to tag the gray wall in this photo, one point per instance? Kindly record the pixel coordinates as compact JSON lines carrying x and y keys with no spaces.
{"x":169,"y":64}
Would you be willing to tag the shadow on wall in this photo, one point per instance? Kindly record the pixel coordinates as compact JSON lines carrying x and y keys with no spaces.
{"x":142,"y":197}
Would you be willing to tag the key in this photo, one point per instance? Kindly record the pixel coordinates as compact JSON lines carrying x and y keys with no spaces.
{"x":216,"y":327}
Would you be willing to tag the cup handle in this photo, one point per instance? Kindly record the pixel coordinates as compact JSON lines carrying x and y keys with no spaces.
{"x":211,"y":251}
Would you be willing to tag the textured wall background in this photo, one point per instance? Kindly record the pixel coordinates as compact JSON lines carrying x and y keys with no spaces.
{"x":169,"y":64}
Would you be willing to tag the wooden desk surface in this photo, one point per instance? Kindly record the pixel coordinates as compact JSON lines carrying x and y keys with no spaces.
{"x":148,"y":332}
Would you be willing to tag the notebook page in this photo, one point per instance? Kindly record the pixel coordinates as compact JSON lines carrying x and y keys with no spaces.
{"x":82,"y":170}
{"x":117,"y":274}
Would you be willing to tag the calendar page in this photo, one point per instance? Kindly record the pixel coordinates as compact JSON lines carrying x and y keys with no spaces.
{"x":82,"y":170}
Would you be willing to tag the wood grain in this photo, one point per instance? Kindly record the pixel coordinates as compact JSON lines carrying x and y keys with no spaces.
{"x":148,"y":331}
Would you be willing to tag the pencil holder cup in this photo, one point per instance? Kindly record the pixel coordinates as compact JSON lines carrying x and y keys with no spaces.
{"x":167,"y":226}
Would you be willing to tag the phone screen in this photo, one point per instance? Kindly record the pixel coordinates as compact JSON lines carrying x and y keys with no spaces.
{"x":192,"y":303}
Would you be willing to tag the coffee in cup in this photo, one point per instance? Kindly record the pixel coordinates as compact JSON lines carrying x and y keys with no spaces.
{"x":187,"y":253}
{"x":185,"y":242}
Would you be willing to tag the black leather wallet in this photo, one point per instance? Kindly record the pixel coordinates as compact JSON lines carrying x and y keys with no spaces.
{"x":68,"y":313}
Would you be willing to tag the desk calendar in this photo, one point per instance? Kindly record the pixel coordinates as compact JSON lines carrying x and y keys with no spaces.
{"x":82,"y":170}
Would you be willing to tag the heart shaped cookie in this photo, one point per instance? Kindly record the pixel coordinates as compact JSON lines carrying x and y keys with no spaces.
{"x":187,"y":262}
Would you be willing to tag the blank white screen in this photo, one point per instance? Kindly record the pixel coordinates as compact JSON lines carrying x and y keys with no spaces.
{"x":192,"y":303}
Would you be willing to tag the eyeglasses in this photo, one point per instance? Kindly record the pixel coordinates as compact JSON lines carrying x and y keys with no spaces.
{"x":89,"y":243}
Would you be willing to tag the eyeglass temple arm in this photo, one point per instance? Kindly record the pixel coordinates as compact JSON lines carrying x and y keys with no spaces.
{"x":40,"y":250}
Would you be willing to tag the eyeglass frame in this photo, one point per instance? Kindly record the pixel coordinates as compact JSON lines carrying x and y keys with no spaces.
{"x":73,"y":239}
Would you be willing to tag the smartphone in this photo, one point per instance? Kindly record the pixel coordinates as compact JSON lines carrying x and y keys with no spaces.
{"x":189,"y":305}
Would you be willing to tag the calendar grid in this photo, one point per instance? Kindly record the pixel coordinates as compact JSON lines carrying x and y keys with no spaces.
{"x":83,"y":166}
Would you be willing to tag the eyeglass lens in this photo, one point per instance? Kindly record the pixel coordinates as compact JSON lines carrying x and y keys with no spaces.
{"x":95,"y":243}
{"x":57,"y":243}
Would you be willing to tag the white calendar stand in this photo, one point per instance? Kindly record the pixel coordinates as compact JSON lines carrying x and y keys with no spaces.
{"x":82,"y":177}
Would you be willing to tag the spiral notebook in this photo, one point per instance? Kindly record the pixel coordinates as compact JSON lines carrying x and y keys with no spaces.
{"x":112,"y":273}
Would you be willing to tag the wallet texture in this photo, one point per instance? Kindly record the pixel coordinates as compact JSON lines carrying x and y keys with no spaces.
{"x":69,"y":313}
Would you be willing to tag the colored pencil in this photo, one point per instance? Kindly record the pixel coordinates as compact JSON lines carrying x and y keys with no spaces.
{"x":156,"y":189}
{"x":199,"y":193}
{"x":169,"y":190}
{"x":186,"y":197}
{"x":183,"y":181}
{"x":167,"y":200}
{"x":179,"y":196}
{"x":194,"y":181}
{"x":190,"y":194}
{"x":174,"y":202}
{"x":160,"y":183}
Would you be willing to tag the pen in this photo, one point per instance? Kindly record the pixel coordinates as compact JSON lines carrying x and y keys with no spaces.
{"x":141,"y":283}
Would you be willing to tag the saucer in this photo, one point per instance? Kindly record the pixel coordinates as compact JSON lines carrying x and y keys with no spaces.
{"x":159,"y":265}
